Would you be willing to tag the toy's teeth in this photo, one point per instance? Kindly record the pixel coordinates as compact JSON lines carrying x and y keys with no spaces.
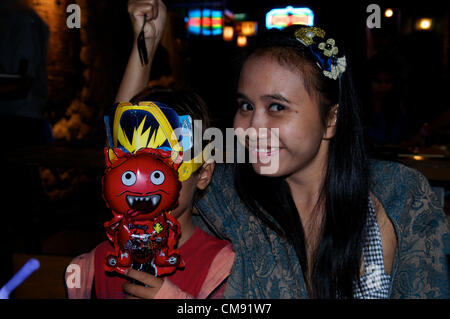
{"x":130,"y":200}
{"x":154,"y":199}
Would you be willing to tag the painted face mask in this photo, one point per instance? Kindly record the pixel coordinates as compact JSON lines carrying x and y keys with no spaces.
{"x":141,"y":185}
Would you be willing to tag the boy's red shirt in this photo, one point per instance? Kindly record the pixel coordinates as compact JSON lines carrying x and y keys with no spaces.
{"x":198,"y":252}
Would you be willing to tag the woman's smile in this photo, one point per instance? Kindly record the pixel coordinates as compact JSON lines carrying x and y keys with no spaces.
{"x":263,"y":155}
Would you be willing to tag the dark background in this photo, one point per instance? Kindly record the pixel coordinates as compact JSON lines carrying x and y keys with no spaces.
{"x":53,"y":204}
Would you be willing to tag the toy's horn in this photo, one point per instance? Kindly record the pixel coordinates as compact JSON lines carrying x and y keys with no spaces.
{"x":113,"y":155}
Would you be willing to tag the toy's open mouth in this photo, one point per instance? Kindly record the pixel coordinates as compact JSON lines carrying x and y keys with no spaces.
{"x":143,"y":204}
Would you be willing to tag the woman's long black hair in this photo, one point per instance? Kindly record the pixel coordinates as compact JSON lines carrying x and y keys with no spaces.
{"x":345,"y":190}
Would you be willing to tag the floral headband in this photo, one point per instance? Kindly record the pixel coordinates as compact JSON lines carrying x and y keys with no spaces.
{"x":325,"y":51}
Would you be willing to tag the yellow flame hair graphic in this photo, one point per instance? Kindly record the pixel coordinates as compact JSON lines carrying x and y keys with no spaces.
{"x":133,"y":127}
{"x":162,"y":129}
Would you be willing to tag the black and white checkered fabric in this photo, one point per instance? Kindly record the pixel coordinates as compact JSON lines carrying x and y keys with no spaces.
{"x":374,"y":284}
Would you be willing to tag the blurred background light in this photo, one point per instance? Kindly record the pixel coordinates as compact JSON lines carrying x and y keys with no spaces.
{"x":228,"y":33}
{"x":242,"y":41}
{"x":424,"y":24}
{"x":205,"y":22}
{"x":247,"y":28}
{"x":388,"y":13}
{"x":281,"y":18}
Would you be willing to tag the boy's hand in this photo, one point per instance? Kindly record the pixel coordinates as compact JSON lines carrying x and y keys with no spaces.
{"x":156,"y":17}
{"x":152,"y":285}
{"x":136,"y":74}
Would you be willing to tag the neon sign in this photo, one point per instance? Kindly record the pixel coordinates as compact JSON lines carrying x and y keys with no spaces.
{"x":282,"y":18}
{"x":205,"y":22}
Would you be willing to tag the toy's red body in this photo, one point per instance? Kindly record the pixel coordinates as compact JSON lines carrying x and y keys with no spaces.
{"x":141,"y":189}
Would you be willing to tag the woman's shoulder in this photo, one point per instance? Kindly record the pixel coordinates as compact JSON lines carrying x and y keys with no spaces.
{"x":223,"y":175}
{"x":404,"y":193}
{"x":421,"y":227}
{"x":387,"y":169}
{"x":391,"y":180}
{"x":220,"y":199}
{"x":222,"y":184}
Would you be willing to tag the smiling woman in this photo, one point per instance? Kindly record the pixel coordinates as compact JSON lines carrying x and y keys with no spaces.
{"x":328,"y":223}
{"x":281,"y":85}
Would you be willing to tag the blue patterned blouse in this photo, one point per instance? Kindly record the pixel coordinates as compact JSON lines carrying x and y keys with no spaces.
{"x":266,"y":266}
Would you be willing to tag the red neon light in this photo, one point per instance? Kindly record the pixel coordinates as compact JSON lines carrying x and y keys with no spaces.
{"x":205,"y":22}
{"x":195,"y":22}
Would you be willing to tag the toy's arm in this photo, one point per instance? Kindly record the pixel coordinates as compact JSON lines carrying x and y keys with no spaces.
{"x":168,"y":258}
{"x":136,"y":75}
{"x":111,"y":226}
{"x":174,"y":231}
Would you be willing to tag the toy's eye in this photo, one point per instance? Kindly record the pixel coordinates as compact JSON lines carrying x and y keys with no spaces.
{"x":157,"y":177}
{"x":128,"y":178}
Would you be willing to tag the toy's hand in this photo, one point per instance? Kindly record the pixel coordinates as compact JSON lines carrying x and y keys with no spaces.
{"x":149,"y":291}
{"x":156,"y":13}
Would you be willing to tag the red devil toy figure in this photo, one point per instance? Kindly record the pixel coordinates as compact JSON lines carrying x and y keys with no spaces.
{"x":141,"y":189}
{"x":141,"y":186}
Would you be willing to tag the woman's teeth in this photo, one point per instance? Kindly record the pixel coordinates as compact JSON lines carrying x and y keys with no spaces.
{"x":261,"y":150}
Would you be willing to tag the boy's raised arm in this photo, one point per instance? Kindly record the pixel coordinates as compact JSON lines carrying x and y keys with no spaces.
{"x":136,"y":75}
